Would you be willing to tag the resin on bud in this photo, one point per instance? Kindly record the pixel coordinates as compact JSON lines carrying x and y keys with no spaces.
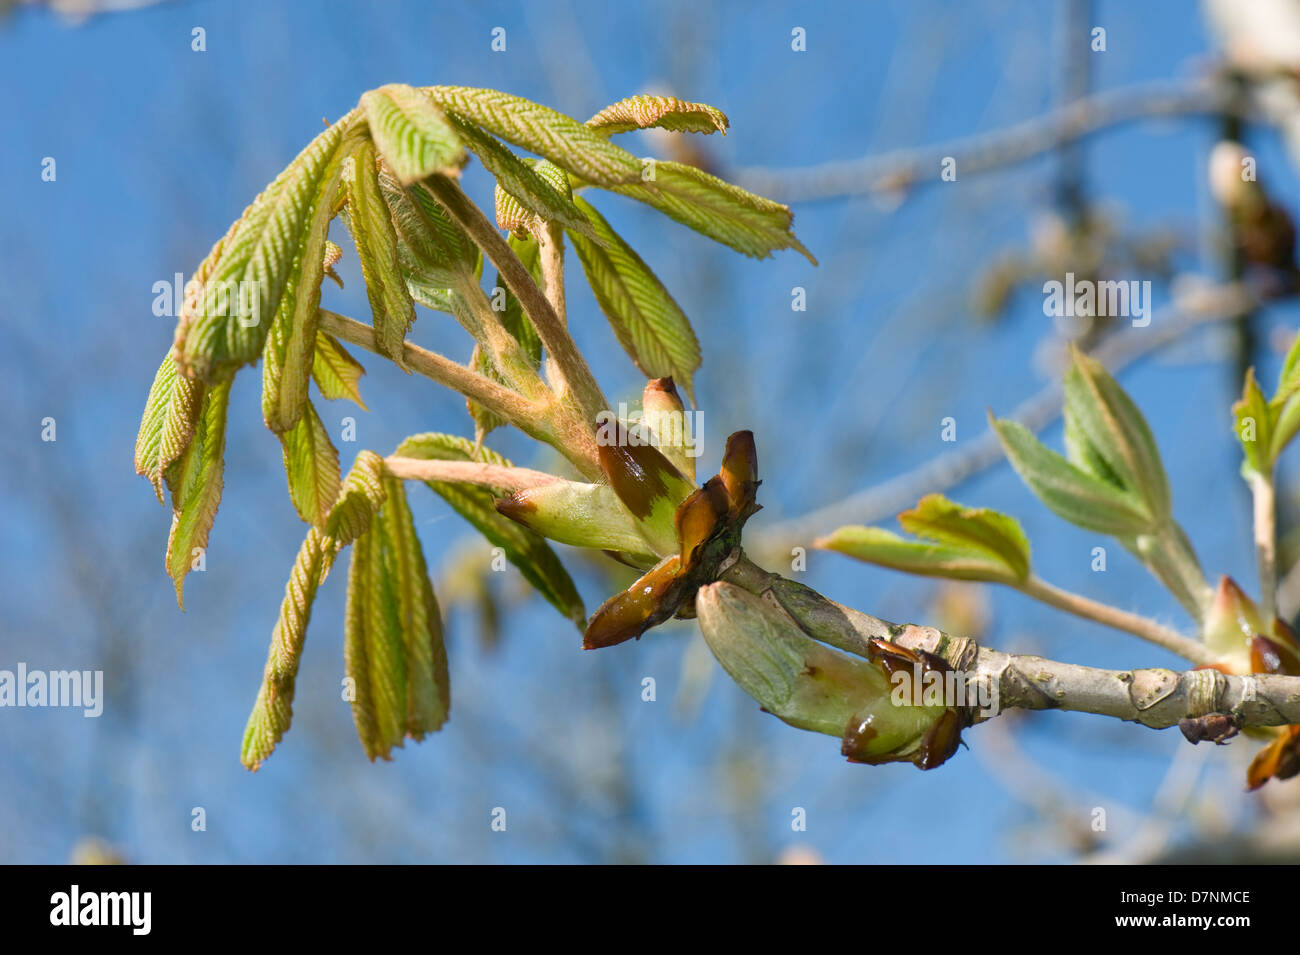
{"x":647,"y":483}
{"x":664,"y":413}
{"x":651,"y":600}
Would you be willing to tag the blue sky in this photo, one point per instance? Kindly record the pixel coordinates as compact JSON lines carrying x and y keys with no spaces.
{"x":159,"y":148}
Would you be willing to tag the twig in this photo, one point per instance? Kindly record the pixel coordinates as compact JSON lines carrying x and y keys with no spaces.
{"x":467,"y":472}
{"x":898,"y":170}
{"x":1135,"y":624}
{"x":550,"y":328}
{"x":525,"y":415}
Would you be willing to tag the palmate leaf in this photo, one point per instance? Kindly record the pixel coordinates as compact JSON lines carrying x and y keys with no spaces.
{"x":1104,"y":416}
{"x":195,"y":481}
{"x":413,"y":135}
{"x":362,"y":496}
{"x":247,"y":275}
{"x":311,"y":464}
{"x":371,"y":224}
{"x":748,"y":223}
{"x":569,"y":144}
{"x":534,"y":193}
{"x":291,"y":342}
{"x":663,"y":112}
{"x":1075,"y":494}
{"x":336,"y":373}
{"x":393,"y":646}
{"x":526,"y":550}
{"x":648,"y":323}
{"x":961,"y":543}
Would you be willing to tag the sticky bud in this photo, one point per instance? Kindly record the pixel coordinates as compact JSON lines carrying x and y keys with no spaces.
{"x":645,"y":481}
{"x":664,"y":413}
{"x":1232,"y":623}
{"x":584,"y":515}
{"x":813,"y":687}
{"x":739,"y":473}
{"x":629,"y":613}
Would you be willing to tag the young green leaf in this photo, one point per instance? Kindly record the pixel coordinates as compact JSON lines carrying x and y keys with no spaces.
{"x":371,"y":224}
{"x":977,"y":529}
{"x":663,"y":112}
{"x":1289,"y":381}
{"x":374,"y":652}
{"x":523,"y":548}
{"x":336,"y":373}
{"x":311,"y":464}
{"x":531,"y":126}
{"x":271,"y":253}
{"x":648,"y":323}
{"x":413,"y":135}
{"x":359,"y":498}
{"x":273,"y":709}
{"x":1112,"y":425}
{"x":514,"y":320}
{"x":748,"y":223}
{"x":428,"y":692}
{"x":1254,"y":426}
{"x":171,"y":413}
{"x":195,"y":482}
{"x":875,"y":545}
{"x":521,"y":182}
{"x":434,"y":254}
{"x":1285,"y":418}
{"x":1074,"y":494}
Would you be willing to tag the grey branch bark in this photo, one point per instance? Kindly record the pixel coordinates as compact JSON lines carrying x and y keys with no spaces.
{"x":1154,"y":697}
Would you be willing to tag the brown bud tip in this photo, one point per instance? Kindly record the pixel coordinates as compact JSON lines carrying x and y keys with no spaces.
{"x":662,"y":386}
{"x":651,"y":600}
{"x":516,"y":507}
{"x":698,"y":517}
{"x":739,"y":471}
{"x":638,"y":472}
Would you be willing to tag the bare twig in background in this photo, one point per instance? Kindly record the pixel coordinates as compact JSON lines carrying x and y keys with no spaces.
{"x":883,"y":501}
{"x":895,"y":171}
